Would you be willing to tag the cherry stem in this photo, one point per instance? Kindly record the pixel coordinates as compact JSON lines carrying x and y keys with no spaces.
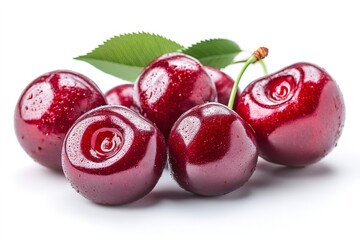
{"x":258,"y":55}
{"x":262,"y":63}
{"x":263,"y":66}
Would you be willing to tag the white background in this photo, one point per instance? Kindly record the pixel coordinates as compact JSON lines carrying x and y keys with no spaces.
{"x":321,"y":201}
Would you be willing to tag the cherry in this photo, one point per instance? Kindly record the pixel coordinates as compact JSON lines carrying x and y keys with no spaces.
{"x":121,"y":95}
{"x":171,"y":85}
{"x":212,"y":150}
{"x":223,"y":83}
{"x":46,"y":110}
{"x":112,"y":155}
{"x":297,"y":113}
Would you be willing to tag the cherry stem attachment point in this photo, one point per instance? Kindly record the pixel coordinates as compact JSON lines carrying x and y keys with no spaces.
{"x":258,"y":55}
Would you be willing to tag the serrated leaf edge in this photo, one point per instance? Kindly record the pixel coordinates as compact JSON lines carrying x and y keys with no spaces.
{"x":121,"y":35}
{"x":208,"y":40}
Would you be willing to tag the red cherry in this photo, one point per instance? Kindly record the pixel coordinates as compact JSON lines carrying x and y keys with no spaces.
{"x":46,"y":110}
{"x":121,"y":95}
{"x":223,"y":83}
{"x":112,"y":155}
{"x":171,"y":85}
{"x":297,"y":113}
{"x":212,"y":151}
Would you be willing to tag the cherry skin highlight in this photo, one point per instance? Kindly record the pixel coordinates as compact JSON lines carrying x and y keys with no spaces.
{"x":171,"y":85}
{"x":112,"y":155}
{"x":297,"y":113}
{"x":46,"y":110}
{"x":223,"y":84}
{"x":121,"y":95}
{"x":212,"y":151}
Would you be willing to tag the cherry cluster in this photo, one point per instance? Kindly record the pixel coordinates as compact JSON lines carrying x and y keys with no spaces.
{"x":113,"y":147}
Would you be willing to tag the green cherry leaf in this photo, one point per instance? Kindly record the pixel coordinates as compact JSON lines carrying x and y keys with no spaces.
{"x":125,"y":56}
{"x":217,"y":53}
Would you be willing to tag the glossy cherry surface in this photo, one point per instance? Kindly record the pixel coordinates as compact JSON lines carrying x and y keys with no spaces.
{"x":171,"y":85}
{"x":223,"y":84}
{"x":112,"y":155}
{"x":46,"y":110}
{"x":297,"y":113}
{"x":121,"y":95}
{"x":212,"y":151}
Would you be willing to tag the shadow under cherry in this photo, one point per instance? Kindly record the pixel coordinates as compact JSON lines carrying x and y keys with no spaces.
{"x":272,"y":175}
